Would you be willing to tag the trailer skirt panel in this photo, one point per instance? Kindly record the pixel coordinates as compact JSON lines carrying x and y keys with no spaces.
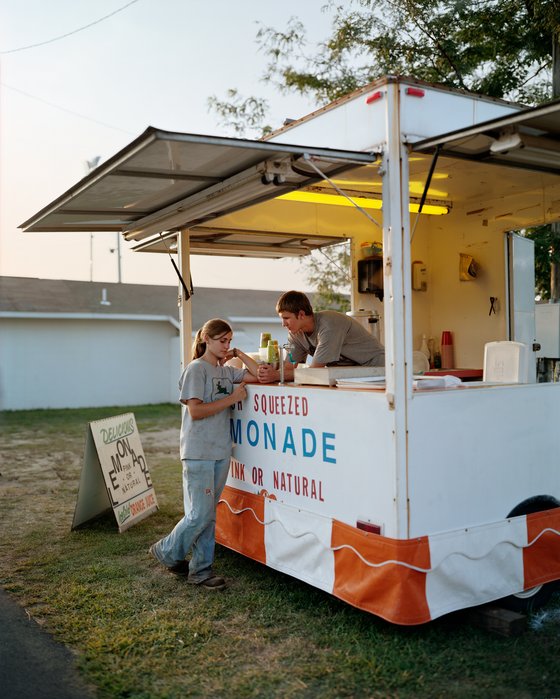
{"x":405,"y":581}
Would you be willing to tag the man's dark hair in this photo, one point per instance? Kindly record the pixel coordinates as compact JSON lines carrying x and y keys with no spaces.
{"x":294,"y":302}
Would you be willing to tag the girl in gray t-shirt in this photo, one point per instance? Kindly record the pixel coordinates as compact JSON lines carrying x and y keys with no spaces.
{"x":207,"y":389}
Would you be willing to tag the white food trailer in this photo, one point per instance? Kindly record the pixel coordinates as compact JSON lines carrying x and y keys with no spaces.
{"x":407,"y":497}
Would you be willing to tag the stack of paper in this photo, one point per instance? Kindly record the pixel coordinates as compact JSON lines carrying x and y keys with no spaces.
{"x":329,"y":375}
{"x":372,"y":382}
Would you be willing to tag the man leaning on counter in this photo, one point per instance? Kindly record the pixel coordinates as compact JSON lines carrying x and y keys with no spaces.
{"x":329,"y":337}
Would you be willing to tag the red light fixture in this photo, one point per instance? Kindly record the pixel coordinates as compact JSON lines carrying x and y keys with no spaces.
{"x":415,"y":92}
{"x":374,"y":97}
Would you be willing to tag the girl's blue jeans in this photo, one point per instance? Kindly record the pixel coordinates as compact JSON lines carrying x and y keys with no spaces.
{"x":203,"y":483}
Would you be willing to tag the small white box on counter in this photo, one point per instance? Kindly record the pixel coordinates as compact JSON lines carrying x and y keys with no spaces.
{"x":506,"y":361}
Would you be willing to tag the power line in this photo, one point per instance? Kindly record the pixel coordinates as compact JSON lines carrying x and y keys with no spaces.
{"x":74,"y":31}
{"x":63,"y":109}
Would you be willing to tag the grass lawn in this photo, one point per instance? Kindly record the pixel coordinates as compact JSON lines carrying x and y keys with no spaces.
{"x":139,"y":632}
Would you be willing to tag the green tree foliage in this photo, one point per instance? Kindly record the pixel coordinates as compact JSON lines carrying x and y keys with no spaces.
{"x":328,"y":271}
{"x":501,"y":48}
{"x":547,"y":254}
{"x":245,"y":116}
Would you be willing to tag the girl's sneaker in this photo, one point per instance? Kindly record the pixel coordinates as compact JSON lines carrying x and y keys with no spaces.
{"x":180,"y":568}
{"x":214,"y":582}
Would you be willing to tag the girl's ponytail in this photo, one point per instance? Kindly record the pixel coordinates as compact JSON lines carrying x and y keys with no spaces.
{"x":199,"y":345}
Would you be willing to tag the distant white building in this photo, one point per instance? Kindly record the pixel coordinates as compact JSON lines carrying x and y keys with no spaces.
{"x":70,"y":344}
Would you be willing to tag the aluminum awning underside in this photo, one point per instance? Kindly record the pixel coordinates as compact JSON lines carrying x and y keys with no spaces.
{"x":528,"y":139}
{"x":164,"y":182}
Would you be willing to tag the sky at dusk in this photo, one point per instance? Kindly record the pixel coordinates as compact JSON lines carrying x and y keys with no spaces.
{"x":79,"y":93}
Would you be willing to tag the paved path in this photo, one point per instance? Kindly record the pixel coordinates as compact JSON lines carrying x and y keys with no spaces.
{"x":32,"y":664}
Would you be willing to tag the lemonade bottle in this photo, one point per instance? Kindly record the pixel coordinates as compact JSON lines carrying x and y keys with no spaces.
{"x":272,"y":353}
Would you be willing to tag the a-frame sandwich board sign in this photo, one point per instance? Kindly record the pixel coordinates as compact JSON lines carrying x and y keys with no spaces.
{"x":115,"y":474}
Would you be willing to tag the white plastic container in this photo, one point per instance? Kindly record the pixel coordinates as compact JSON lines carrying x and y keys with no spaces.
{"x":506,"y":362}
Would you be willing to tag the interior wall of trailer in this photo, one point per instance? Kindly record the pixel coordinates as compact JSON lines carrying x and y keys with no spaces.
{"x":366,"y":301}
{"x":451,"y":303}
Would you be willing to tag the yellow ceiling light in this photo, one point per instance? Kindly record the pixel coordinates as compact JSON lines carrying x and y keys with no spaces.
{"x":332,"y":199}
{"x":363,"y":202}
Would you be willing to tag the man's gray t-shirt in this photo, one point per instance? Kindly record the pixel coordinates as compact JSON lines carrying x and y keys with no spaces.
{"x":337,"y":339}
{"x":210,"y":437}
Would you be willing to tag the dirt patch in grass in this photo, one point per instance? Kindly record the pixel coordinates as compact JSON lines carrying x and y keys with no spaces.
{"x":40,"y":469}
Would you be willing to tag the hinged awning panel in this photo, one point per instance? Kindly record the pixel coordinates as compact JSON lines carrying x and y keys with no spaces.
{"x":166,"y":181}
{"x":528,"y":139}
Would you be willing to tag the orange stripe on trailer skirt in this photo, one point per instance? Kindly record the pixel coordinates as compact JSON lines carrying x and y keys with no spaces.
{"x":239,"y":523}
{"x":392,"y":591}
{"x":541,"y":560}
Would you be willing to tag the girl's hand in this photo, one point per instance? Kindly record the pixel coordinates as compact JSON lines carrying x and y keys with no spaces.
{"x":232,"y":359}
{"x":239,"y":392}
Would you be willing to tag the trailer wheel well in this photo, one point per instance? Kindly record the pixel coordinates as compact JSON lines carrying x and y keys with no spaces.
{"x":537,"y":503}
{"x":529,"y":601}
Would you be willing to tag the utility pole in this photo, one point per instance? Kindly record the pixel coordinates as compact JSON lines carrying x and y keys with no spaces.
{"x":91,"y":165}
{"x":117,"y":249}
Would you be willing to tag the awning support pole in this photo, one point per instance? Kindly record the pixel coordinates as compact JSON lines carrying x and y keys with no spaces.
{"x":188,"y":292}
{"x":426,"y":188}
{"x":185,"y":316}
